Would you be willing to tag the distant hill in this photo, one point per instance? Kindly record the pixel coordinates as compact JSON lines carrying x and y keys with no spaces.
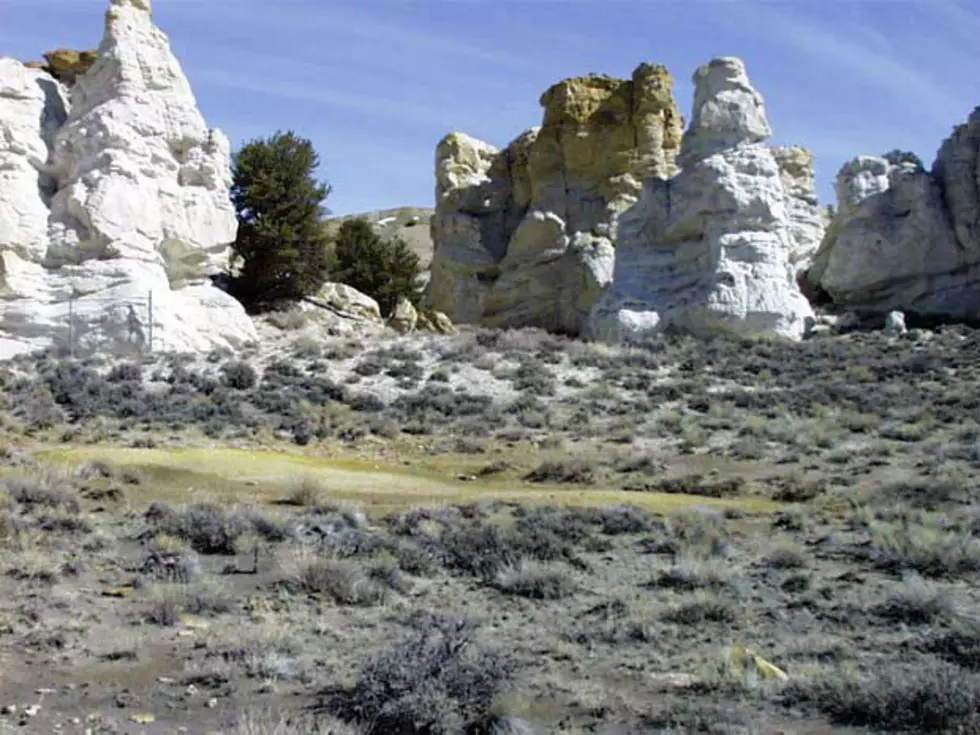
{"x":411,"y":224}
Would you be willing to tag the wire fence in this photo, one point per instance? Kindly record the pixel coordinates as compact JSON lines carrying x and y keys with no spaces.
{"x":137,"y":321}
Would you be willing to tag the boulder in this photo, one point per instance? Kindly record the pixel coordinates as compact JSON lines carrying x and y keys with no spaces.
{"x":713,"y":248}
{"x":524,"y":236}
{"x":905,"y":238}
{"x":346,"y":302}
{"x":114,"y":201}
{"x":405,"y":317}
{"x":435,"y":322}
{"x":66,"y":65}
{"x":895,"y":324}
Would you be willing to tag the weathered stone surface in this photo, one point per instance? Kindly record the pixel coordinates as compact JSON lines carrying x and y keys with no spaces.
{"x":905,"y":238}
{"x":710,"y":250}
{"x":807,"y":219}
{"x":347,"y":302}
{"x":66,"y":65}
{"x":435,"y":321}
{"x":405,"y":317}
{"x":116,"y":193}
{"x":524,"y":236}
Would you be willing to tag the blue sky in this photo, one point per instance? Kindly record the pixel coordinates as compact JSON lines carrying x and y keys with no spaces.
{"x":376,"y":83}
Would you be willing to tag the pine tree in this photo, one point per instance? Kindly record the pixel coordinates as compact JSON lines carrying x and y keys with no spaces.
{"x":281,"y":243}
{"x":382,"y":270}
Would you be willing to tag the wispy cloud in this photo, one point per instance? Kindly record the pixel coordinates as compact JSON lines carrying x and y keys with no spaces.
{"x":371,"y":24}
{"x":847,"y":47}
{"x":320,"y":93}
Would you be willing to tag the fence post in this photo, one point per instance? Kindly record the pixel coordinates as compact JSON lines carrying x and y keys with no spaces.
{"x":71,"y":325}
{"x":149,"y":339}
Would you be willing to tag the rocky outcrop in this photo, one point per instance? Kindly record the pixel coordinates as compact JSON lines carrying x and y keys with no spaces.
{"x":346,"y":302}
{"x":111,"y":190}
{"x":66,"y":65}
{"x":807,"y":219}
{"x":713,"y":248}
{"x":524,"y":236}
{"x":405,"y":317}
{"x":905,"y":238}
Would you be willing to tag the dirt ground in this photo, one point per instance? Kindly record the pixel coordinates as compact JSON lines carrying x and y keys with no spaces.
{"x":495,"y":533}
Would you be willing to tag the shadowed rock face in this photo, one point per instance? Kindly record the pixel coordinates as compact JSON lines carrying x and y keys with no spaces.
{"x":713,"y":248}
{"x":905,"y":238}
{"x":112,"y":188}
{"x":524,"y":236}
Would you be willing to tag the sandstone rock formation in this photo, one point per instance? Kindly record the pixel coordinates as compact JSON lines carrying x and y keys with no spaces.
{"x":524,"y":236}
{"x":405,"y":317}
{"x":713,"y":248}
{"x":66,"y":65}
{"x":905,"y":238}
{"x":346,"y":302}
{"x":807,"y":219}
{"x":111,"y":188}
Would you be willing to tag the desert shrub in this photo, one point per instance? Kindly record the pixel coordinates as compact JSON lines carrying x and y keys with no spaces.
{"x":239,"y":375}
{"x":695,"y":485}
{"x":568,"y":471}
{"x":482,"y":549}
{"x":265,"y":722}
{"x":306,"y":492}
{"x":208,"y":528}
{"x":344,"y":580}
{"x":563,"y":523}
{"x":916,"y":602}
{"x":535,"y":377}
{"x":623,"y":519}
{"x":787,"y":556}
{"x":440,"y":402}
{"x":169,"y":560}
{"x":961,"y":647}
{"x":125,"y":372}
{"x":534,"y":580}
{"x":702,"y":607}
{"x":166,"y":603}
{"x":437,"y":680}
{"x":695,"y":534}
{"x":385,"y":271}
{"x":926,"y":696}
{"x":42,"y":490}
{"x":929,"y":550}
{"x":688,"y":575}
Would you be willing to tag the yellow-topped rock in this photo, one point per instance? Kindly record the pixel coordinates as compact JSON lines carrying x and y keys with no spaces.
{"x":524,"y":236}
{"x":66,"y":65}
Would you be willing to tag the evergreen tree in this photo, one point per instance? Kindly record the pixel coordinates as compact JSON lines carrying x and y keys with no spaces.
{"x":281,"y":244}
{"x":382,"y":270}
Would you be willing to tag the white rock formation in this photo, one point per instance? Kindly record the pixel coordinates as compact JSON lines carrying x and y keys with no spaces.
{"x":905,"y":238}
{"x":111,"y":190}
{"x":895,"y":324}
{"x":712,"y":249}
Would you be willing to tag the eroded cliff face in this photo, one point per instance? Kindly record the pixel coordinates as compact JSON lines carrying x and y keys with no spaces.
{"x":112,"y":187}
{"x":525,"y":236}
{"x":714,"y":249}
{"x":905,"y":238}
